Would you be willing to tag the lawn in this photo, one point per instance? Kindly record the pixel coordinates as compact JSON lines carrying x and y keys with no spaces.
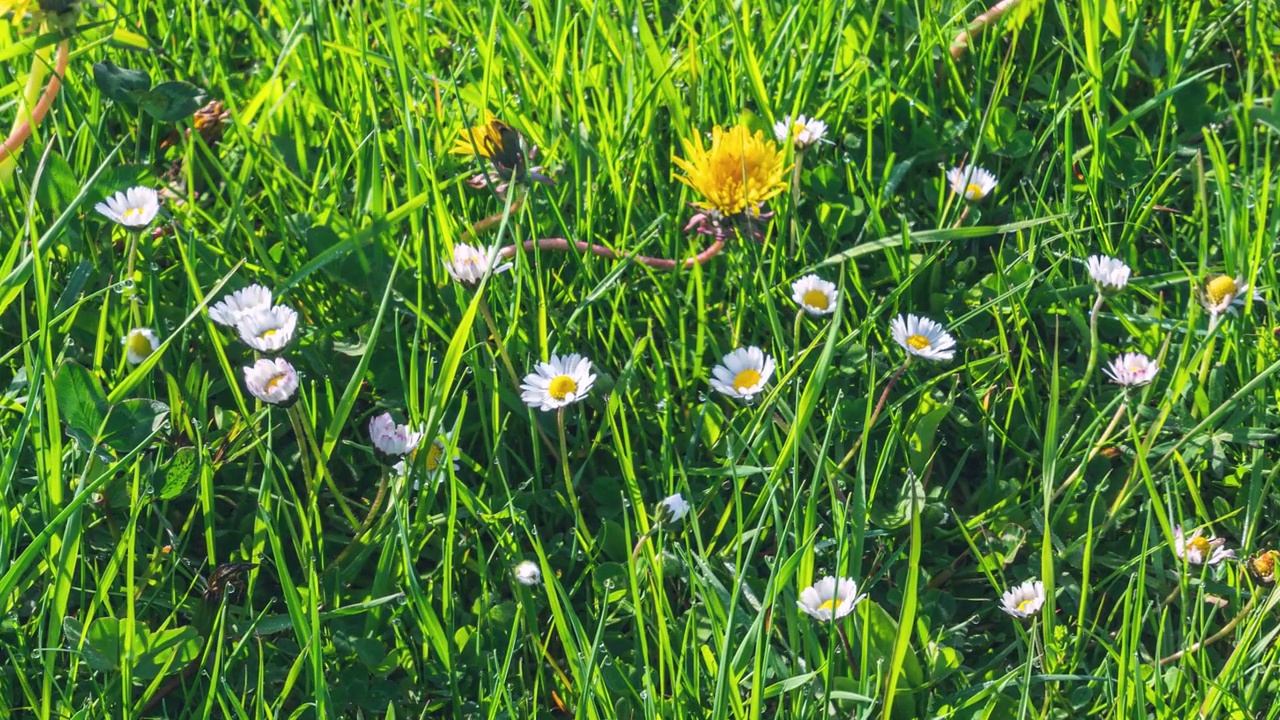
{"x":537,"y":359}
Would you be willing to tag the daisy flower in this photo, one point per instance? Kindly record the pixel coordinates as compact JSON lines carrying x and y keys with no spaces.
{"x":272,"y":381}
{"x":974,"y":183}
{"x":134,"y":208}
{"x":742,"y":373}
{"x":562,"y":381}
{"x":1132,"y":370}
{"x":469,"y":265}
{"x":1199,"y":550}
{"x":830,"y":598}
{"x":139,"y":344}
{"x":268,"y":330}
{"x":804,"y":133}
{"x":230,"y":310}
{"x":1109,"y":274}
{"x":390,"y":438}
{"x":433,"y":463}
{"x":1024,"y":600}
{"x":527,"y":573}
{"x":673,"y":508}
{"x":815,"y":295}
{"x":737,"y":174}
{"x":1263,"y":566}
{"x":1224,"y":293}
{"x":923,"y":338}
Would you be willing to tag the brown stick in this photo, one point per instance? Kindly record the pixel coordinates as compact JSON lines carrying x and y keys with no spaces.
{"x":562,"y":245}
{"x":975,"y":28}
{"x":20,"y":134}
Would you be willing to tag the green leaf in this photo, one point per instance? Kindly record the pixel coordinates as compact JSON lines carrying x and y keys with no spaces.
{"x":81,"y":403}
{"x":180,"y":473}
{"x":74,"y":632}
{"x":172,"y":101}
{"x":121,"y":84}
{"x":131,"y":422}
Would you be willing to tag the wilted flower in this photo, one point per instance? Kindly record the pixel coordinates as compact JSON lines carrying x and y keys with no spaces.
{"x":1132,"y":370}
{"x":974,"y":183}
{"x":390,"y":438}
{"x":1263,"y":566}
{"x":804,"y":133}
{"x":1199,"y":550}
{"x":742,"y":373}
{"x":527,"y":573}
{"x":561,"y":381}
{"x":139,"y":344}
{"x":469,"y":265}
{"x":505,"y":149}
{"x":1224,"y":293}
{"x":1024,"y":600}
{"x":736,"y":175}
{"x":234,"y":307}
{"x":1109,"y":274}
{"x":673,"y":508}
{"x":815,"y":295}
{"x":134,"y":208}
{"x":830,"y":598}
{"x":268,"y":330}
{"x":272,"y":381}
{"x":923,"y":337}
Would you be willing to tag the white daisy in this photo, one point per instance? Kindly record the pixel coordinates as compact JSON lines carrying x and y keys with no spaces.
{"x":1224,"y":294}
{"x":815,"y":295}
{"x":139,"y":344}
{"x":804,"y":133}
{"x":432,"y":464}
{"x":527,"y":573}
{"x":830,"y":598}
{"x":230,"y":310}
{"x":742,"y":373}
{"x":391,"y":438}
{"x":1199,"y":550}
{"x":1108,"y":273}
{"x":560,"y":382}
{"x":974,"y":183}
{"x":271,"y":380}
{"x":1024,"y":600}
{"x":133,"y":208}
{"x":268,"y":330}
{"x":469,"y":265}
{"x":923,"y":337}
{"x":673,"y":508}
{"x":1132,"y":370}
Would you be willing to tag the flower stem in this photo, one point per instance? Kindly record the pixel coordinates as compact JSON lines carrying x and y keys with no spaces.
{"x":22,"y":132}
{"x":795,"y":198}
{"x":1092,"y":364}
{"x":884,"y":397}
{"x":1106,"y":435}
{"x":583,"y":535}
{"x":975,"y":28}
{"x":510,"y":367}
{"x":299,"y":432}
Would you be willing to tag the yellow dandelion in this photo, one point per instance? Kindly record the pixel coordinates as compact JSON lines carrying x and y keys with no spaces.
{"x":738,"y":173}
{"x":484,"y":139}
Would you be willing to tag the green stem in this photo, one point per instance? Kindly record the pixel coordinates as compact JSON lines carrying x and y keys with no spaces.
{"x":580,"y":530}
{"x":884,"y":397}
{"x":1093,"y":355}
{"x":509,"y":366}
{"x":795,"y":198}
{"x":295,"y":418}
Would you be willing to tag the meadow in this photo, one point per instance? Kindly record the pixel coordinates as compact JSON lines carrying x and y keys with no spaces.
{"x":680,"y":359}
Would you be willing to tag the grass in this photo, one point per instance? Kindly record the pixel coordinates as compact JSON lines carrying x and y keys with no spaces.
{"x":172,"y":547}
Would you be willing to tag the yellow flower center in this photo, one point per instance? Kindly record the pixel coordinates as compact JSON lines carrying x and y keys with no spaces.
{"x":273,"y":382}
{"x":1135,"y":368}
{"x":974,"y":191}
{"x":139,"y":345}
{"x":267,"y":333}
{"x":561,"y":386}
{"x":746,"y":379}
{"x":738,"y":173}
{"x":434,"y":454}
{"x":133,"y":213}
{"x":1022,"y":606}
{"x":1220,"y":289}
{"x":816,"y":299}
{"x":1201,"y":546}
{"x":919,"y":342}
{"x":1264,"y":565}
{"x":828,"y":605}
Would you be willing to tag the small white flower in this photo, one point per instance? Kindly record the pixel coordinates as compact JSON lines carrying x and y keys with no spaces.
{"x":1132,"y":370}
{"x":923,"y":337}
{"x":815,"y":295}
{"x":1108,"y":273}
{"x":974,"y":183}
{"x":391,"y":438}
{"x":804,"y":133}
{"x":268,"y":330}
{"x":527,"y":573}
{"x":1024,"y":600}
{"x":562,"y":381}
{"x":673,"y":508}
{"x":234,"y":307}
{"x":830,"y":598}
{"x":1199,"y":550}
{"x":434,"y":462}
{"x":742,"y":373}
{"x":271,"y":380}
{"x":1224,"y":294}
{"x":133,"y":208}
{"x":139,"y":344}
{"x":469,"y":265}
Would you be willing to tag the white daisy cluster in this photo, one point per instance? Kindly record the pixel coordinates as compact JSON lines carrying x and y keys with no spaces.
{"x":266,"y":328}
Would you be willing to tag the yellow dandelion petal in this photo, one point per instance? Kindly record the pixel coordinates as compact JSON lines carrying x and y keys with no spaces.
{"x":481,"y":139}
{"x":737,"y":173}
